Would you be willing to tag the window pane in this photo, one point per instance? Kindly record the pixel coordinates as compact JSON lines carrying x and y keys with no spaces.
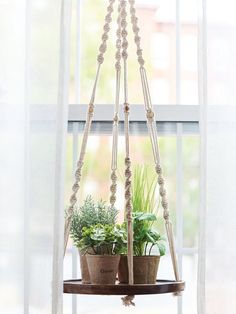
{"x":190,"y":189}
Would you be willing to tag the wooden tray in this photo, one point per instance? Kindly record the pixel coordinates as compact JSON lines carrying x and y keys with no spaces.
{"x":75,"y":286}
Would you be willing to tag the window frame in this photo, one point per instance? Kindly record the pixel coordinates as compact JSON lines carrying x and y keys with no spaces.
{"x":164,"y":113}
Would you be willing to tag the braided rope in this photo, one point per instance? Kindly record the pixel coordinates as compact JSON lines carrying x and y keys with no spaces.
{"x":128,"y":300}
{"x":106,"y":28}
{"x":118,"y":40}
{"x":103,"y":46}
{"x":113,"y":187}
{"x":79,"y":166}
{"x":124,"y":34}
{"x":168,"y":223}
{"x":76,"y":185}
{"x":128,"y":207}
{"x":128,"y":175}
{"x":153,"y":137}
{"x":136,"y":30}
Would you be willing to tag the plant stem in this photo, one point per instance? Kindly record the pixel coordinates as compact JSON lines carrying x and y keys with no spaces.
{"x":151,"y":249}
{"x":146,"y":248}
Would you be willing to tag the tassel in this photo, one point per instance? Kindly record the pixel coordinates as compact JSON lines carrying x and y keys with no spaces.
{"x":128,"y":300}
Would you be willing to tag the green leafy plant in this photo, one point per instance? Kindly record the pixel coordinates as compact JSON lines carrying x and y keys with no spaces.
{"x":89,"y":214}
{"x":102,"y":239}
{"x":145,"y":237}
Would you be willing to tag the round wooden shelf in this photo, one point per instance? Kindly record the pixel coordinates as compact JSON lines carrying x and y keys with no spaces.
{"x":75,"y":286}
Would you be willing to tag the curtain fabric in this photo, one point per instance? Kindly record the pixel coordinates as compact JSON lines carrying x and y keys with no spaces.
{"x":217,"y":76}
{"x":33,"y":115}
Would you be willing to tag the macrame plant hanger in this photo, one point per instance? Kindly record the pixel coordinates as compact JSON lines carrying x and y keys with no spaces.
{"x":121,"y":62}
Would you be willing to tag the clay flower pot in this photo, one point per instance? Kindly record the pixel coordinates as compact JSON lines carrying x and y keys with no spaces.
{"x":103,"y":268}
{"x":84,"y":268}
{"x":145,"y":269}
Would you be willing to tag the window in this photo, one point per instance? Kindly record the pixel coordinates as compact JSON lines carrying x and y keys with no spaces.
{"x":173,"y":82}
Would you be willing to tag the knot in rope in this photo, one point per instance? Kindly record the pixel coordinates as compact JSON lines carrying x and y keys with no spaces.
{"x":158,"y":169}
{"x":162,"y":191}
{"x":128,"y":300}
{"x":160,"y":180}
{"x":150,"y":114}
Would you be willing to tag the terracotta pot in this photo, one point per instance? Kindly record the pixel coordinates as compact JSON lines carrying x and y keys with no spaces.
{"x":84,"y":268}
{"x":145,"y":269}
{"x":103,"y":268}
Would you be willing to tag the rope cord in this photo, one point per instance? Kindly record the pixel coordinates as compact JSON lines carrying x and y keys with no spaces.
{"x":113,"y":187}
{"x":128,"y":300}
{"x":153,"y":137}
{"x":79,"y":166}
{"x":128,"y":173}
{"x":124,"y":34}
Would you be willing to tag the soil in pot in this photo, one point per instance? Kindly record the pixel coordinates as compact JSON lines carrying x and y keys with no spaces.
{"x":84,"y":268}
{"x":145,"y":269}
{"x":103,"y":268}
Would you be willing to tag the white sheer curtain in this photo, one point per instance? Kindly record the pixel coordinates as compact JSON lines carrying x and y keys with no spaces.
{"x":33,"y":115}
{"x":217,"y":255}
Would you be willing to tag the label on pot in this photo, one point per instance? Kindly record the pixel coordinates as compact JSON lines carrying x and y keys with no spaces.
{"x":105,"y":271}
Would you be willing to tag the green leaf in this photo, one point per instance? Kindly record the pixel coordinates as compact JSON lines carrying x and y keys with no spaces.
{"x":98,"y":234}
{"x":146,"y":217}
{"x":162,"y":248}
{"x":150,"y":239}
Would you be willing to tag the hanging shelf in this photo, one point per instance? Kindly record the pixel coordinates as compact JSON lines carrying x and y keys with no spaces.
{"x":131,"y":289}
{"x":75,"y":286}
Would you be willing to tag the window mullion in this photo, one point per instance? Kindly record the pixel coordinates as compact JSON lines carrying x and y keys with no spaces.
{"x":164,"y":113}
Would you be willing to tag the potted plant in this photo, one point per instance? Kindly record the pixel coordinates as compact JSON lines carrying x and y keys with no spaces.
{"x":90,"y":213}
{"x":103,"y":241}
{"x":146,"y":242}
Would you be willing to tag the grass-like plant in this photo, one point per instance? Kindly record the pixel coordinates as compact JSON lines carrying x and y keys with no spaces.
{"x":89,"y":214}
{"x":144,"y":186}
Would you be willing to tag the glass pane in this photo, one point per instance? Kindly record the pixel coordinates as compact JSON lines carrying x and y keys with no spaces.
{"x":190,"y":189}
